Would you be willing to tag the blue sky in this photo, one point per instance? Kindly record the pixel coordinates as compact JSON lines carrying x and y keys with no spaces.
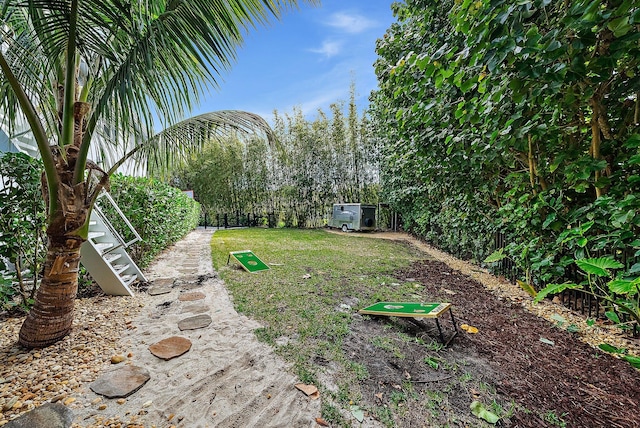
{"x":308,"y":59}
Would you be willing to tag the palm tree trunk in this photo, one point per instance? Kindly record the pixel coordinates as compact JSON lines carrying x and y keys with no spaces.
{"x":51,"y":317}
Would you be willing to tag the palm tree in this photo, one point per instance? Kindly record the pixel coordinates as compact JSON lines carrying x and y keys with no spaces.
{"x":88,"y":72}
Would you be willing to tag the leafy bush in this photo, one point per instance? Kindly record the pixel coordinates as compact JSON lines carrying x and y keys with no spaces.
{"x":313,"y":165}
{"x":161,"y":214}
{"x":516,"y":117}
{"x":22,"y":227}
{"x":619,"y":294}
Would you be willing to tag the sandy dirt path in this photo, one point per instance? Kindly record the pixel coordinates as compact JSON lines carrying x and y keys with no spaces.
{"x":226,"y":379}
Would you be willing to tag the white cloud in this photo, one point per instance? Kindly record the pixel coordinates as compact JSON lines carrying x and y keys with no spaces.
{"x":329,"y":48}
{"x":322,"y":100}
{"x":333,"y":86}
{"x":350,"y":23}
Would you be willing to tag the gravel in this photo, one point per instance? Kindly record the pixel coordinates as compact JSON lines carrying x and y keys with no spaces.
{"x":30,"y":378}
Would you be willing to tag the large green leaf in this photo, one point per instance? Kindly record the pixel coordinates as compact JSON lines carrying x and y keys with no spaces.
{"x":479,"y":411}
{"x":550,"y":219}
{"x":620,"y":26}
{"x":599,"y":266}
{"x":528,"y":288}
{"x":624,"y":286}
{"x":634,"y":140}
{"x":634,"y":361}
{"x":555,"y":289}
{"x":611,"y":315}
{"x":496,"y":256}
{"x":610,"y":348}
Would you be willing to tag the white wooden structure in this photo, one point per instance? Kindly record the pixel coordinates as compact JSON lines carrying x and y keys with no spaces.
{"x":104,"y":255}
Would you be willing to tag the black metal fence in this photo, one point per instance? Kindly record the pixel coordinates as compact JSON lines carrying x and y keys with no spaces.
{"x":577,"y":300}
{"x":238,"y":219}
{"x":386,"y":220}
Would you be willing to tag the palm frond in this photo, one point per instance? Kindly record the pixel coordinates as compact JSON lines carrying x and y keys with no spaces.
{"x":160,"y":57}
{"x":174,"y":145}
{"x":23,"y":53}
{"x":141,"y":60}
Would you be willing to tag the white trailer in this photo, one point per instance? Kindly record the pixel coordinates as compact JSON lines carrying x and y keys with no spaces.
{"x":353,"y":217}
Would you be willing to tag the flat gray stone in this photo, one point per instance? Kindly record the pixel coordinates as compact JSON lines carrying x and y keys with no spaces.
{"x":163,"y":282}
{"x":120,"y":383}
{"x":194,"y":323}
{"x":191,"y":296}
{"x":170,"y":347}
{"x":49,"y":415}
{"x":156,"y":290}
{"x":196,"y":309}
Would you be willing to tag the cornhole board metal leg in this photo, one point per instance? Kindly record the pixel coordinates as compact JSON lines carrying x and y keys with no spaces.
{"x":420,"y":323}
{"x":455,"y":329}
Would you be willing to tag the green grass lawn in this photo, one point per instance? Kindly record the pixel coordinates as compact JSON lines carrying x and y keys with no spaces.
{"x":306,"y":300}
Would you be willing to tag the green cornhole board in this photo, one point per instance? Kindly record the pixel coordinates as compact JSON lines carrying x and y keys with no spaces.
{"x":248,"y":260}
{"x":413,"y":311}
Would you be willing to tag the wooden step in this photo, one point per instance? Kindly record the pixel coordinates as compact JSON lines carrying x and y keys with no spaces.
{"x":121,"y":268}
{"x":103,"y":246}
{"x":94,"y":235}
{"x":112,"y":257}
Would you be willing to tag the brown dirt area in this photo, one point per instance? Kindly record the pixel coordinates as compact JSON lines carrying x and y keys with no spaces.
{"x":510,"y":365}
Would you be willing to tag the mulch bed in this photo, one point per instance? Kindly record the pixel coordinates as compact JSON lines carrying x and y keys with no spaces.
{"x":567,"y":383}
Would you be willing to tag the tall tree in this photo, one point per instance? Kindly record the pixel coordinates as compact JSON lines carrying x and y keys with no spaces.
{"x":78,"y":69}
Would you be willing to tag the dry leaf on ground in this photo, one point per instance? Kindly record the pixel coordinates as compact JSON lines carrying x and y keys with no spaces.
{"x":322,"y":422}
{"x":309,"y":390}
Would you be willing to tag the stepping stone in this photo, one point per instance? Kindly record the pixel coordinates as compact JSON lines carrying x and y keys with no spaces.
{"x":120,"y":383}
{"x":194,"y":323}
{"x":49,"y":415}
{"x":171,"y":347}
{"x":156,"y":291}
{"x":186,"y":280}
{"x":196,"y":309}
{"x":190,"y":297}
{"x":163,"y":282}
{"x":190,"y":286}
